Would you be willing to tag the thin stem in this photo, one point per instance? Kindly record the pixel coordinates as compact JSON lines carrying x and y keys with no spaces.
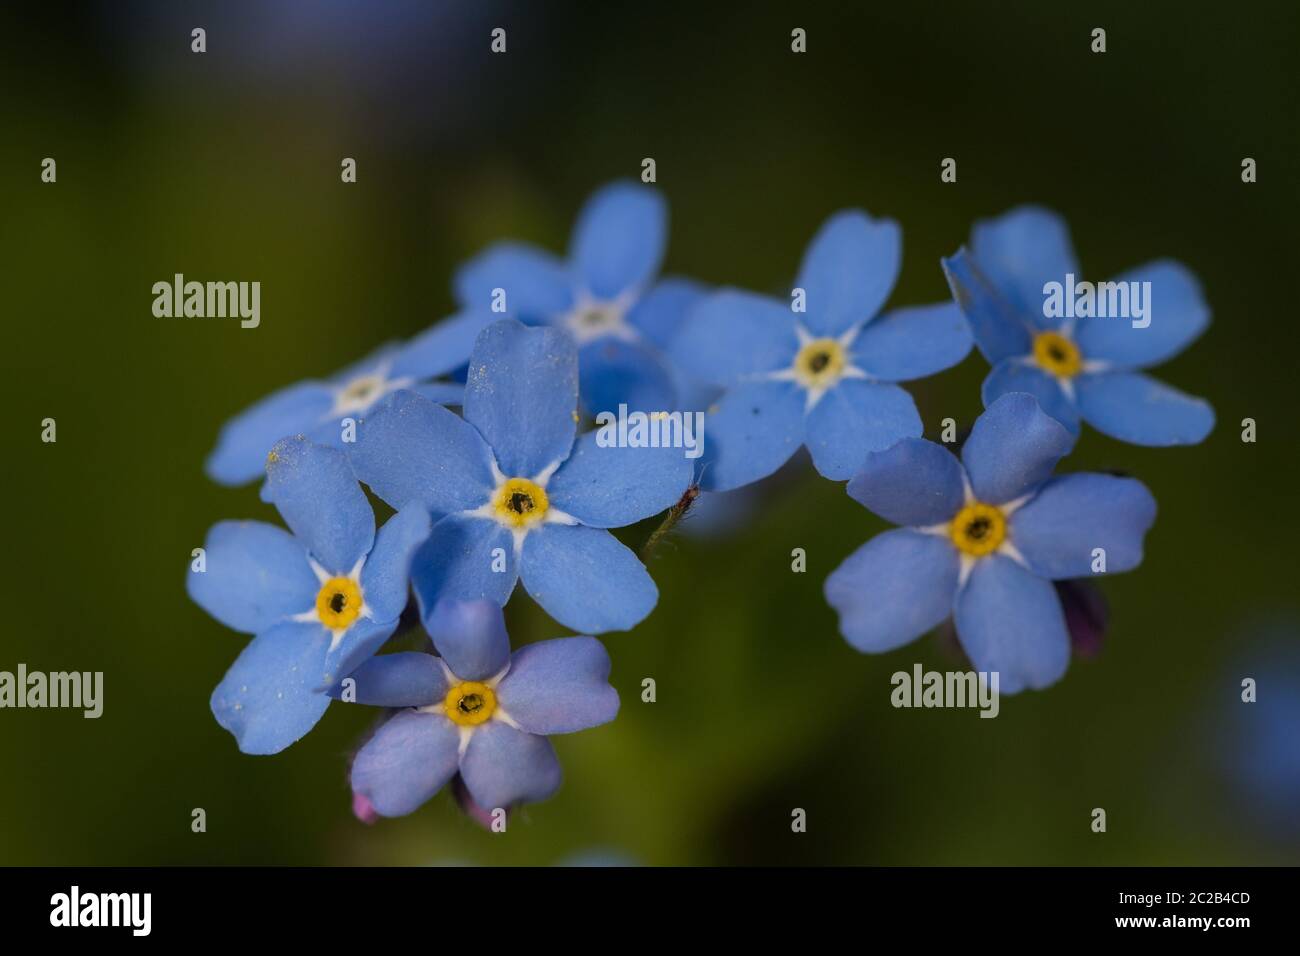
{"x":671,"y":517}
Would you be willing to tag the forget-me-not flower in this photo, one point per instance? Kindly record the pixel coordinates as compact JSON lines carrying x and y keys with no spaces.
{"x":318,"y":601}
{"x":517,"y":496}
{"x":605,"y":295}
{"x":317,"y":408}
{"x":983,"y":540}
{"x":1080,"y":368}
{"x":475,"y":710}
{"x":825,"y":376}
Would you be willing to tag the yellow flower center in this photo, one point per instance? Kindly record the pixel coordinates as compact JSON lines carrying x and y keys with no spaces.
{"x":470,"y":703}
{"x":338,"y":603}
{"x":978,"y":529}
{"x":520,"y":503}
{"x":363,"y":389}
{"x":1057,"y":354}
{"x":820,"y":362}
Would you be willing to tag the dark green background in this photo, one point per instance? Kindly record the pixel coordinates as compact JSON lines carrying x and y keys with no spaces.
{"x":226,"y":166}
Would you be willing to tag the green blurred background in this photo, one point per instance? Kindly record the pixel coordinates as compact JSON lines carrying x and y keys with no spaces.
{"x":226,"y":166}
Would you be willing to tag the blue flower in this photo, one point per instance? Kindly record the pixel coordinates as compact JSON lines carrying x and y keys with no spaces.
{"x":984,"y":539}
{"x":318,"y":601}
{"x":316,"y":409}
{"x":1079,"y":368}
{"x":517,"y":495}
{"x":475,"y":710}
{"x":823,"y":377}
{"x":605,"y":295}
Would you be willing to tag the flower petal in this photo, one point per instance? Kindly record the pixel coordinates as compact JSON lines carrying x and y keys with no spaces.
{"x":409,"y":759}
{"x":613,"y":373}
{"x":537,"y":285}
{"x":521,"y":395}
{"x":1000,"y":330}
{"x":1009,"y":620}
{"x":914,"y":483}
{"x":314,"y":489}
{"x":386,"y":575}
{"x":442,"y":348}
{"x":1016,"y":375}
{"x":1012,"y":449}
{"x":1139,"y":409}
{"x":893,"y":589}
{"x":752,"y":431}
{"x":268,"y":698}
{"x":240,"y":455}
{"x":731,"y":335}
{"x":661,"y":312}
{"x":855,"y":418}
{"x":619,"y":240}
{"x":1057,"y":530}
{"x":404,"y":679}
{"x":411,"y":449}
{"x":503,"y":766}
{"x":461,"y":560}
{"x":912,"y":343}
{"x":611,"y":487}
{"x":849,"y":270}
{"x":255,"y":575}
{"x":351,"y":649}
{"x":1176,"y":311}
{"x":470,"y":636}
{"x":1021,"y":251}
{"x":586,"y":578}
{"x":444,"y":393}
{"x":559,"y":686}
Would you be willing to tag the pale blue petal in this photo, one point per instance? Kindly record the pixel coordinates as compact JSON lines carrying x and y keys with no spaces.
{"x":444,"y":393}
{"x":470,"y":636}
{"x":409,"y":759}
{"x":1009,"y":620}
{"x":503,"y":767}
{"x":661,"y":312}
{"x":611,"y":487}
{"x":913,"y":342}
{"x":255,"y":575}
{"x":1058,"y":529}
{"x":350,"y":650}
{"x":442,"y":348}
{"x":848,"y":271}
{"x":411,"y":449}
{"x":240,"y":455}
{"x":1015,"y":375}
{"x":619,"y":240}
{"x":732,"y":335}
{"x":386,"y":575}
{"x":1021,"y":251}
{"x":613,"y":373}
{"x":269,"y":697}
{"x":586,"y":578}
{"x":1176,"y":310}
{"x":1012,"y":449}
{"x":855,"y":418}
{"x":751,"y":432}
{"x":914,"y":483}
{"x":1137,"y":408}
{"x":315,"y":491}
{"x":521,"y":395}
{"x":893,"y":589}
{"x":537,"y":285}
{"x":559,"y":686}
{"x":460,"y":560}
{"x":1000,"y":330}
{"x":404,"y":679}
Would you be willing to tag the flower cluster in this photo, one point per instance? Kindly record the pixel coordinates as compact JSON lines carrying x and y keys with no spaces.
{"x":519,"y":487}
